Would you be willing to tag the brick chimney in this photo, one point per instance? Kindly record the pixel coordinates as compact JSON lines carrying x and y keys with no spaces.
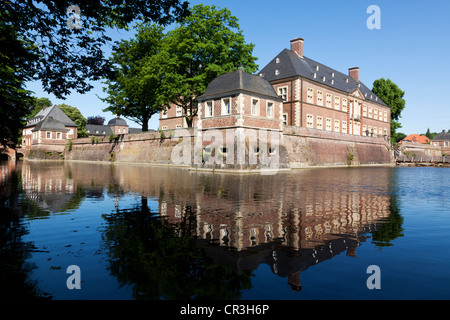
{"x":297,"y":46}
{"x":354,"y":73}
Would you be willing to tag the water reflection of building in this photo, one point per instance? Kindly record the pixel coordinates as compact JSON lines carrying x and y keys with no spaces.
{"x":245,"y":222}
{"x":50,"y":187}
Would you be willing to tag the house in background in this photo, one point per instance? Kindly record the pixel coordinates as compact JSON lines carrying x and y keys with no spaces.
{"x":115,"y":126}
{"x":49,"y":129}
{"x":415,"y":138}
{"x":443,"y":140}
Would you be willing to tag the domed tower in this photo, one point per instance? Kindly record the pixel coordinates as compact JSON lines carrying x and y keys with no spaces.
{"x":118,"y":125}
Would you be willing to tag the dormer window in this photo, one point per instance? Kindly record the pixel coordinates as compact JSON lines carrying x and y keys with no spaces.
{"x":277,"y":60}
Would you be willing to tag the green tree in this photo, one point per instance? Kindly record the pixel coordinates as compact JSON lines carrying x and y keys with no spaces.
{"x":392,"y":96}
{"x":38,"y":44}
{"x":206,"y":44}
{"x":134,"y":89}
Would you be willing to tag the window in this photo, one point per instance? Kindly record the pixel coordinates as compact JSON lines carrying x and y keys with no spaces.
{"x":119,"y":130}
{"x":385,"y":116}
{"x":209,"y":109}
{"x":164,"y":127}
{"x":385,"y":131}
{"x":445,"y":143}
{"x":380,"y":131}
{"x":320,"y":98}
{"x":48,"y":135}
{"x":309,"y":121}
{"x":226,"y":106}
{"x":164,"y":114}
{"x":344,"y":104}
{"x":319,"y":124}
{"x":375,"y":113}
{"x":269,"y":110}
{"x":380,"y":116}
{"x":178,"y":126}
{"x":328,"y":124}
{"x":328,"y":100}
{"x":364,"y":110}
{"x":255,"y":107}
{"x":344,"y":126}
{"x":370,"y":112}
{"x":285,"y":118}
{"x":59,"y":135}
{"x":282,"y":92}
{"x":310,"y":98}
{"x":337,"y":125}
{"x":179,"y":111}
{"x":337,"y":103}
{"x":364,"y":130}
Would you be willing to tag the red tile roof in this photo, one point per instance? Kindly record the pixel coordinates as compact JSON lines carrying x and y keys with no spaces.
{"x":416,"y":138}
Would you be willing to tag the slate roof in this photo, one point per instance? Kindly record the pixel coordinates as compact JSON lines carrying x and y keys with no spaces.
{"x":98,"y":130}
{"x":289,"y":64}
{"x":117,"y":122}
{"x":236,"y":82}
{"x":442,"y":136}
{"x":51,"y":112}
{"x":50,"y":124}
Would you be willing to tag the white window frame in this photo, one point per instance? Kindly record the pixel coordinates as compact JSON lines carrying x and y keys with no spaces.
{"x":344,"y":126}
{"x":319,"y":123}
{"x":285,"y":119}
{"x":310,"y":95}
{"x":319,"y":98}
{"x":329,"y":101}
{"x":337,"y":125}
{"x":269,"y":109}
{"x":179,"y":111}
{"x":209,"y":111}
{"x":59,"y":135}
{"x":337,"y":102}
{"x":309,"y":121}
{"x":328,"y":124}
{"x":255,"y":111}
{"x":224,"y":111}
{"x":344,"y":104}
{"x":47,"y":133}
{"x":283,"y":93}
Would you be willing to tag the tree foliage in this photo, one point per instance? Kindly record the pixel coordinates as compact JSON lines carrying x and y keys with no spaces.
{"x":97,"y":120}
{"x":134,"y":91}
{"x":37,"y":44}
{"x":392,"y":96}
{"x":158,"y":70}
{"x":206,"y":44}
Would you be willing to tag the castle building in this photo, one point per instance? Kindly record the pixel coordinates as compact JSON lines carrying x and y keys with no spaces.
{"x":319,"y":97}
{"x":239,"y":99}
{"x":313,"y":96}
{"x":49,"y":127}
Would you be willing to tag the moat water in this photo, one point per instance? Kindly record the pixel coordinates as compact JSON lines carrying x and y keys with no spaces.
{"x":139,"y":232}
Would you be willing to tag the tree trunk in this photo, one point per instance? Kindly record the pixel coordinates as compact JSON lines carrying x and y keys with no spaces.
{"x":145,"y":124}
{"x":189,"y":121}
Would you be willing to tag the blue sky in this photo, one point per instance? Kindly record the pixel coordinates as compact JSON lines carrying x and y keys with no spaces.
{"x":411,"y":48}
